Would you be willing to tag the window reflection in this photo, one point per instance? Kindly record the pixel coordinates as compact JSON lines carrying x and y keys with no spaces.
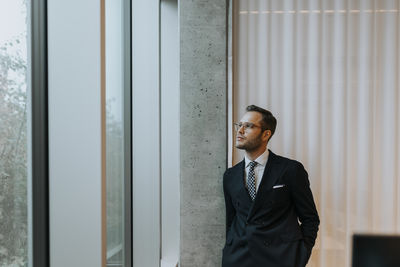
{"x":114,"y":134}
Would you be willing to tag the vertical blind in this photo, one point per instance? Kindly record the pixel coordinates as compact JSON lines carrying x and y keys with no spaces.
{"x":329,"y":71}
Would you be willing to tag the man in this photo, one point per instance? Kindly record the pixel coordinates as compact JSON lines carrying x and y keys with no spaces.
{"x":271,"y":219}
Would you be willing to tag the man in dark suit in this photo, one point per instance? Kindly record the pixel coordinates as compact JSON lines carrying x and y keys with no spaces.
{"x":271,"y":218}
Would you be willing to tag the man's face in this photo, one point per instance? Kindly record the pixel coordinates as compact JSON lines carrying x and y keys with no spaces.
{"x":252,"y":138}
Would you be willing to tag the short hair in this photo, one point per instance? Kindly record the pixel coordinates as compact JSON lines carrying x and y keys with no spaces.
{"x":268,"y":121}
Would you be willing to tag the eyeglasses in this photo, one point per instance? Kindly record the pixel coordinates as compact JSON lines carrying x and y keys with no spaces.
{"x":246,"y":126}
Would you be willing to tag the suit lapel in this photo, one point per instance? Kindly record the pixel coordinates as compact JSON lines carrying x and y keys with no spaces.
{"x":270,"y":172}
{"x":241,"y":190}
{"x":271,"y":175}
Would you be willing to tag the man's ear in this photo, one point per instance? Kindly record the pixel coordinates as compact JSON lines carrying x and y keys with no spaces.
{"x":267,"y":133}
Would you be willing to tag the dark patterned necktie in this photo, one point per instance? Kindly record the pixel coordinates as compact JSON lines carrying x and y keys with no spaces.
{"x":251,"y":180}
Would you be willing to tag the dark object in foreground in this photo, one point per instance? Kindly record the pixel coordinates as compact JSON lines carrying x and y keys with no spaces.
{"x":376,"y":251}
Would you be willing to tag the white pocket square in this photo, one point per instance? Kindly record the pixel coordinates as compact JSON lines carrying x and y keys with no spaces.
{"x":278,"y":186}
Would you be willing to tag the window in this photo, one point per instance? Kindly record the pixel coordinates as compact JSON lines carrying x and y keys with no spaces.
{"x":118,"y":160}
{"x":14,"y":111}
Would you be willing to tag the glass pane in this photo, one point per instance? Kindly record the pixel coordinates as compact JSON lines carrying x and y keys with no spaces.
{"x":114,"y":133}
{"x":13,"y":134}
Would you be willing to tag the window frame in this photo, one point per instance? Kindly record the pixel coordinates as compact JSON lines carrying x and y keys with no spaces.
{"x":40,"y":142}
{"x":127,"y":112}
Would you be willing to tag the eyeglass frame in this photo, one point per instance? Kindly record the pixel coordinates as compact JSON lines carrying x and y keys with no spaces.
{"x":246,"y":126}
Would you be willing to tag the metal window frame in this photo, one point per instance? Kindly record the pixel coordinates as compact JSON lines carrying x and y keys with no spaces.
{"x":127,"y":71}
{"x":40,"y":144}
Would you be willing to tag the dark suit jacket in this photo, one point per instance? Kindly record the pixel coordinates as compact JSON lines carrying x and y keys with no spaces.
{"x":279,"y":228}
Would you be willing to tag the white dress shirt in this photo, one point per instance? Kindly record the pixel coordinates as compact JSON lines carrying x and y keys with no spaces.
{"x":259,"y":169}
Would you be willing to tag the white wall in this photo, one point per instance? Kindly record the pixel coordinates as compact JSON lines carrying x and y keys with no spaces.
{"x":74,"y":132}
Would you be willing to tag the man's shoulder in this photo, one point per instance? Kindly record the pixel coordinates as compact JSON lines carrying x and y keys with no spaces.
{"x":235,"y":168}
{"x":288,"y":162}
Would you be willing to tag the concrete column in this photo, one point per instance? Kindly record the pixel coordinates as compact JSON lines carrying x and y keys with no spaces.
{"x":203,"y":135}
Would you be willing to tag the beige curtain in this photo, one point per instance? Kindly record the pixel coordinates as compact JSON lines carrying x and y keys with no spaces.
{"x":329,"y":70}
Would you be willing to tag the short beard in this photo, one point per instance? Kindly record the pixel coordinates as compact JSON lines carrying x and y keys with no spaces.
{"x":251,"y":145}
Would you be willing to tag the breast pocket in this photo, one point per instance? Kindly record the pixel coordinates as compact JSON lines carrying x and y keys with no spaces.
{"x":279,"y":196}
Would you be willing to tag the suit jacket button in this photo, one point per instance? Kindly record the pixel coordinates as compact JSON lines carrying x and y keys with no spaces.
{"x":266,"y":243}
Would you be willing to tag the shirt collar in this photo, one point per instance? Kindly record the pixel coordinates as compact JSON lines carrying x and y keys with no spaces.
{"x":261,"y":160}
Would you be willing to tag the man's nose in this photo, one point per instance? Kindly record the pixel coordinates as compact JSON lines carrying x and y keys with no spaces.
{"x":241,"y":129}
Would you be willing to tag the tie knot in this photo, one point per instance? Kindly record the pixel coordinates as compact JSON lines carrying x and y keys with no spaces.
{"x":252,"y":164}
